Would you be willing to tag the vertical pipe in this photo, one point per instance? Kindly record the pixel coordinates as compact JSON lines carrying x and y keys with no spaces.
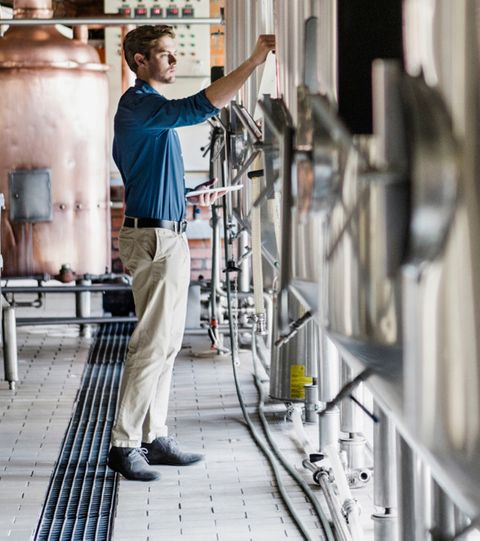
{"x":80,"y":32}
{"x":329,"y":384}
{"x":351,"y":423}
{"x":385,"y":478}
{"x":443,"y":515}
{"x":351,"y":415}
{"x":461,"y":520}
{"x":406,"y":494}
{"x":414,"y":497}
{"x":311,"y":402}
{"x":384,"y":459}
{"x":83,"y":306}
{"x":244,"y":278}
{"x":9,"y":335}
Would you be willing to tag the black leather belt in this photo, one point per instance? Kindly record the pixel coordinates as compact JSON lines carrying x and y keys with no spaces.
{"x":178,"y":227}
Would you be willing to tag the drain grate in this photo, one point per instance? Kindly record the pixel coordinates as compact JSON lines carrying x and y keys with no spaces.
{"x":81,"y":495}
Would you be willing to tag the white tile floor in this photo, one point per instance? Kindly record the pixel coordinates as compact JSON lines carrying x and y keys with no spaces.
{"x":231,"y":495}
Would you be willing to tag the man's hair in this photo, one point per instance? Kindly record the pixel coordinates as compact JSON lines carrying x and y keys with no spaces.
{"x":141,"y":40}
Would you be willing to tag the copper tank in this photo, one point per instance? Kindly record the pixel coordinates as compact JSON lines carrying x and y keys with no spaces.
{"x":53,"y":115}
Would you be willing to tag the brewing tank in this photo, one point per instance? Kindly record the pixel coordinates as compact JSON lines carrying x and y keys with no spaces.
{"x":442,"y":383}
{"x":53,"y":150}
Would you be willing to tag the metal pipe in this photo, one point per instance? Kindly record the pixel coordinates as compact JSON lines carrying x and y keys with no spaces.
{"x":384,"y":461}
{"x":110,"y":21}
{"x":294,"y":328}
{"x":67,"y":289}
{"x":385,"y":478}
{"x":26,"y":321}
{"x":9,"y":336}
{"x":311,"y":402}
{"x":414,"y":501}
{"x":83,"y":307}
{"x":329,"y":428}
{"x":80,"y":32}
{"x":350,"y":414}
{"x":461,"y":520}
{"x":341,"y":529}
{"x":329,"y":382}
{"x":443,"y":515}
{"x":406,"y":494}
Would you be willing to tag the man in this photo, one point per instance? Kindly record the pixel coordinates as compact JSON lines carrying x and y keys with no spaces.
{"x":153,"y":245}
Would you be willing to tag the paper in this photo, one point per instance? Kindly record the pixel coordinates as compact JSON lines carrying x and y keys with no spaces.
{"x":215,"y":190}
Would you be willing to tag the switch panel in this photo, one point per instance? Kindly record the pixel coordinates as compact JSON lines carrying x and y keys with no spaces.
{"x":193,"y":41}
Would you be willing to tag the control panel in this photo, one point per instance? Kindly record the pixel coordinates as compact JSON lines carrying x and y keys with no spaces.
{"x":193,"y":41}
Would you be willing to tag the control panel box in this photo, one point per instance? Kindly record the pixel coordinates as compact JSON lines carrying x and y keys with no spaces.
{"x":193,"y":41}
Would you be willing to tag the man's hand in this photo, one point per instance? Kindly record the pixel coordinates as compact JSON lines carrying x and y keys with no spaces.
{"x":205,"y":200}
{"x":265,"y":44}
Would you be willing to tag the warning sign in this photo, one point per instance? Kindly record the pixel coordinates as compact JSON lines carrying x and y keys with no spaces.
{"x":298,"y":380}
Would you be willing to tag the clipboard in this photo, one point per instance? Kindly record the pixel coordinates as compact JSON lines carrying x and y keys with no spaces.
{"x":214,"y":190}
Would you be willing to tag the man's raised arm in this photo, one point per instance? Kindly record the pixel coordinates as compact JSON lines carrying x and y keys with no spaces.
{"x":223,"y":90}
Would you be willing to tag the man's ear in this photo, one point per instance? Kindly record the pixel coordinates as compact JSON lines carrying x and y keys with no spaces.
{"x":139,"y":59}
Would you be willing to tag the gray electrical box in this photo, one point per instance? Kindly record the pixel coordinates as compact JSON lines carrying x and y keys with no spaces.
{"x":30,"y":195}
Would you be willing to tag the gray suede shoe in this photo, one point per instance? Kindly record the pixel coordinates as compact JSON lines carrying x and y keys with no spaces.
{"x":165,"y":451}
{"x":132,"y":463}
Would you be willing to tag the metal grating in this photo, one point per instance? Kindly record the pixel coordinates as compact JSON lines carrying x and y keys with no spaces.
{"x":82,"y":491}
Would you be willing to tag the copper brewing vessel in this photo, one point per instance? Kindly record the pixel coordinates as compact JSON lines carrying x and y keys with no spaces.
{"x":53,"y":115}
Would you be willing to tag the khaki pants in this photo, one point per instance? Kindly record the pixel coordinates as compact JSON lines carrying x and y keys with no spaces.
{"x":159,"y":261}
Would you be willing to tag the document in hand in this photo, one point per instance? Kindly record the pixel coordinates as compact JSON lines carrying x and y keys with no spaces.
{"x":215,"y":190}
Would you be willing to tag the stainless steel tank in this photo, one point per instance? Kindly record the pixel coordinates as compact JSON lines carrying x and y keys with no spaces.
{"x":442,"y":300}
{"x":53,"y":150}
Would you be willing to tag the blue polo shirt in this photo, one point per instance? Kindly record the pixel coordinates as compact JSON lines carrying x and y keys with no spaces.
{"x":147,"y":150}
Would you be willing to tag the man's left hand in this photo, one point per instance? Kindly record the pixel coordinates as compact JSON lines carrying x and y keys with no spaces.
{"x":205,"y":200}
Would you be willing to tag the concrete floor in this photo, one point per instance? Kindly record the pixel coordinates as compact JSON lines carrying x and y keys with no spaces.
{"x":230,"y":496}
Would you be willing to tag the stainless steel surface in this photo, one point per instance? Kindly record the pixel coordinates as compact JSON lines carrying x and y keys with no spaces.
{"x":311,"y":403}
{"x":83,"y":304}
{"x":9,"y":335}
{"x":414,"y":498}
{"x":442,"y":384}
{"x":367,"y":231}
{"x":351,"y":415}
{"x":407,"y":496}
{"x":384,"y":461}
{"x":54,"y":114}
{"x":354,"y":449}
{"x":295,"y":361}
{"x":385,"y":527}
{"x":329,"y":429}
{"x":107,"y":21}
{"x":443,"y":515}
{"x":342,"y":533}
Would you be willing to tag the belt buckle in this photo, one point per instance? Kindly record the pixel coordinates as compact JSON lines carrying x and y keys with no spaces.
{"x":183,"y":226}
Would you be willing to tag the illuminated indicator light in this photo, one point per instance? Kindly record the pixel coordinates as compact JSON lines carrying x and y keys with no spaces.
{"x":187,"y":12}
{"x":172,"y":12}
{"x":140,"y":12}
{"x":125,"y":11}
{"x":156,"y":12}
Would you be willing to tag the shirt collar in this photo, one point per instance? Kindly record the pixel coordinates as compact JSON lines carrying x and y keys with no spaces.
{"x":143,"y":85}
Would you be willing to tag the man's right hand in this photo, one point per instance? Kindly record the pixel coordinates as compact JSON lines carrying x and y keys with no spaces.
{"x":265,"y":44}
{"x":223,"y":90}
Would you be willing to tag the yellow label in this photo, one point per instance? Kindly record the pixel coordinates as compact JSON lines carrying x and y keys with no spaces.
{"x":298,"y":380}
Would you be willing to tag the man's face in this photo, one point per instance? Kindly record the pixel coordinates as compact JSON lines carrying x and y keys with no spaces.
{"x":162,"y":61}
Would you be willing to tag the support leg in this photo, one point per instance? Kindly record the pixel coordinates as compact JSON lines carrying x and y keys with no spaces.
{"x":9,"y":336}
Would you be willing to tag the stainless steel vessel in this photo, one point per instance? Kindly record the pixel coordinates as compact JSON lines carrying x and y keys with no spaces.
{"x":442,"y":384}
{"x":54,"y":118}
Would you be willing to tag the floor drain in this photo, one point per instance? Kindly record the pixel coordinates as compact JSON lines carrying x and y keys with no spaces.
{"x":81,"y":495}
